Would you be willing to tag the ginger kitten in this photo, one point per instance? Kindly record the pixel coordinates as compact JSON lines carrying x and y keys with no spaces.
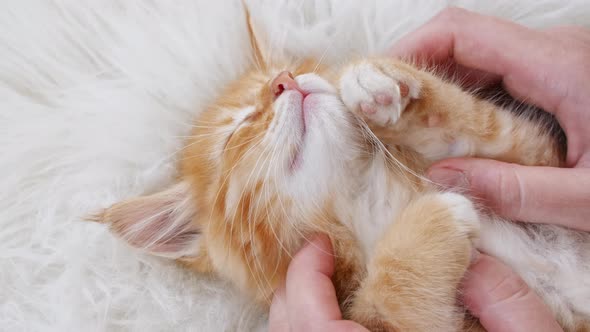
{"x":295,"y":148}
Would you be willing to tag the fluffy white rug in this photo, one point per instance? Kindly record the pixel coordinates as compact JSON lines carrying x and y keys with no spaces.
{"x":95,"y":97}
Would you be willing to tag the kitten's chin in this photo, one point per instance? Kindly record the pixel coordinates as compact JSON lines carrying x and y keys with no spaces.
{"x":318,"y":128}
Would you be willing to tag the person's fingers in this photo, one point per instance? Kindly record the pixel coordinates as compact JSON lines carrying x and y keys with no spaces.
{"x":434,"y":44}
{"x":278,"y":319}
{"x":491,"y":45}
{"x":532,"y":194}
{"x":469,"y":38}
{"x":502,"y":301}
{"x":311,"y":298}
{"x":554,"y":79}
{"x":310,"y":292}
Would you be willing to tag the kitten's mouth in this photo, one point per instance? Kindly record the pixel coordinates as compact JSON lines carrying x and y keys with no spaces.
{"x":297,"y":159}
{"x":306,"y":88}
{"x":307,"y":106}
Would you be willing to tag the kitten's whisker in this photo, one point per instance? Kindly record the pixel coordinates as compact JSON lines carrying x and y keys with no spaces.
{"x":197,"y":140}
{"x":256,"y":260}
{"x":271,"y":162}
{"x":253,"y":272}
{"x":227,"y":176}
{"x":270,"y":222}
{"x":401,"y":167}
{"x":324,"y":53}
{"x":242,"y":158}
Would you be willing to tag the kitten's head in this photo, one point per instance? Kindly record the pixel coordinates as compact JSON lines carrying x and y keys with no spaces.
{"x":259,"y":172}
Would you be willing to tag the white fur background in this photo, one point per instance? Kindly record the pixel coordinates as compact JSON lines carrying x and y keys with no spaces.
{"x":95,"y":98}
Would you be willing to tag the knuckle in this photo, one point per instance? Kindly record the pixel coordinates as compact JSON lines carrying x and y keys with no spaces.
{"x":511,"y":192}
{"x":510,"y":287}
{"x":500,"y":188}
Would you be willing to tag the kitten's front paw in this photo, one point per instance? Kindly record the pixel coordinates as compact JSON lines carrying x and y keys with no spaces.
{"x":379,"y":97}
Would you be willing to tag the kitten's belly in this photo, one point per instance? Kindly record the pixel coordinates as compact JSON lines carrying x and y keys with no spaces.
{"x":553,"y":261}
{"x":373,"y":210}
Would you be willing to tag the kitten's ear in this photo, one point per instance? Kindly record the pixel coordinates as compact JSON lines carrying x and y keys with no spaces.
{"x":161,"y":224}
{"x":258,"y":42}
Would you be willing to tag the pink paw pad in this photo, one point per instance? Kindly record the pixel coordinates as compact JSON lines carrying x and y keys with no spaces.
{"x":384,"y":99}
{"x":368,"y":108}
{"x":404,"y":90}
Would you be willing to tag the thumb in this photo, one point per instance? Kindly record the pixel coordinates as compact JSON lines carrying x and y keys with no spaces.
{"x":534,"y":194}
{"x":502,"y":301}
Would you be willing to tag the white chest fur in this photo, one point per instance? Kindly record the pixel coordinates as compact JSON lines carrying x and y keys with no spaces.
{"x":373,"y":206}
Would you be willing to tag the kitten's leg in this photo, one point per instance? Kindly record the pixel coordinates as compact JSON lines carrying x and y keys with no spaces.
{"x":409,"y":107}
{"x":417,"y":266}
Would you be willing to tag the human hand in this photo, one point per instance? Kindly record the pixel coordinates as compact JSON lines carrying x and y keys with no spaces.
{"x":307,"y":301}
{"x":491,"y":291}
{"x":502,"y":301}
{"x":550,"y":69}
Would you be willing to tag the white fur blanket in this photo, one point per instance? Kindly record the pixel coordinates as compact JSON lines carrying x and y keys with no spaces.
{"x":95,"y":98}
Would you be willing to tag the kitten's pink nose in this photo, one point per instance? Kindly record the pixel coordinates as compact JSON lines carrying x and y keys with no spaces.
{"x":284,"y":81}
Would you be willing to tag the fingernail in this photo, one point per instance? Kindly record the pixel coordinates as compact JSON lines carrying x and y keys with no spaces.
{"x":448,"y":177}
